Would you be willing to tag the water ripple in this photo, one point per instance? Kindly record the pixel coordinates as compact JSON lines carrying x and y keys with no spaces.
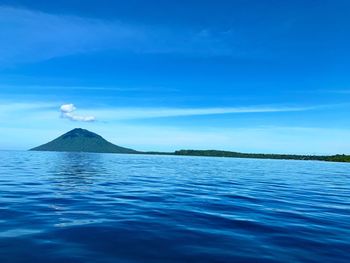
{"x":76,"y":207}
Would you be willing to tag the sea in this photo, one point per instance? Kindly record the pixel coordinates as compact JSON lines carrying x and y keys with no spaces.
{"x":86,"y":207}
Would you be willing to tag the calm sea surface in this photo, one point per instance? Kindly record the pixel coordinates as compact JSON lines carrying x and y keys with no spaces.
{"x":76,"y":207}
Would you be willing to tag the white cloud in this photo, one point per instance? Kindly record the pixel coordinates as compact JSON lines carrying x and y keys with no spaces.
{"x":68,"y":108}
{"x":67,"y":111}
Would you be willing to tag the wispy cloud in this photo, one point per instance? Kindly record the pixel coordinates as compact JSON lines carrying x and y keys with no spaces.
{"x":10,"y":107}
{"x":68,"y":112}
{"x":30,"y":36}
{"x":133,"y":113}
{"x":117,"y":88}
{"x":146,"y":113}
{"x":337,"y":91}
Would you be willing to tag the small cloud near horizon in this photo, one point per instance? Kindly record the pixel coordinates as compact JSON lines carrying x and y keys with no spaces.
{"x":67,"y":111}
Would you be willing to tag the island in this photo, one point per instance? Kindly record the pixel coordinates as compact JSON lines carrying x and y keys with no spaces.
{"x":81,"y":140}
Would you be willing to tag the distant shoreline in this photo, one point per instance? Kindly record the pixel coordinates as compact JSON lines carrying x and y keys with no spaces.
{"x":217,"y":153}
{"x":340,"y":158}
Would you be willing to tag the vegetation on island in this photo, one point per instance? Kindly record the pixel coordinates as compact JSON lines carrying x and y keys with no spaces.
{"x":338,"y":158}
{"x":216,"y":153}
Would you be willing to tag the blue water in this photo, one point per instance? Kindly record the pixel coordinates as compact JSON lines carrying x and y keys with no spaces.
{"x":76,"y":207}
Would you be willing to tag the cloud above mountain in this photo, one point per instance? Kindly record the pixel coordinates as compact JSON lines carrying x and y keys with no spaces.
{"x":68,"y":112}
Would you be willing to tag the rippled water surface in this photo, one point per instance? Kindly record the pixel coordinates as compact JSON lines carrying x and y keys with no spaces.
{"x":76,"y":207}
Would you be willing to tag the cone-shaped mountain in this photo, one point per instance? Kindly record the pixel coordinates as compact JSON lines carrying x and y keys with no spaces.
{"x":80,"y":140}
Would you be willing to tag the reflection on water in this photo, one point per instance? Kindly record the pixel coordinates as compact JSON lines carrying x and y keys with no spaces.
{"x":76,"y":169}
{"x":78,"y":207}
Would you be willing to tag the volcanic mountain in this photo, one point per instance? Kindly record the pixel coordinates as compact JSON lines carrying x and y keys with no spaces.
{"x":80,"y":140}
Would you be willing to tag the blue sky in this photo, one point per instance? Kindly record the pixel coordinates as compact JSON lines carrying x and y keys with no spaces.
{"x":252,"y":76}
